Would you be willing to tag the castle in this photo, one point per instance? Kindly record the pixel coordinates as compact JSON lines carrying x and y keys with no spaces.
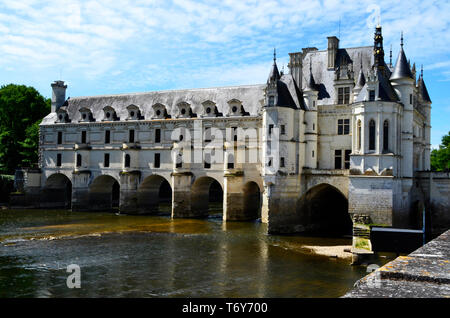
{"x":342,"y":134}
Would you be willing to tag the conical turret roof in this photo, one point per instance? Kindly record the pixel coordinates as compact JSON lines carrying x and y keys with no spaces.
{"x":402,"y":69}
{"x":423,"y":90}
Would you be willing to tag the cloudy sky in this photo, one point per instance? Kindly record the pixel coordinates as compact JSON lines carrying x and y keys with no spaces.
{"x":121,"y":46}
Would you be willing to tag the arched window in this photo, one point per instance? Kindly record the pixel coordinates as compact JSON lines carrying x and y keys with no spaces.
{"x":372,"y":134}
{"x":385,"y":135}
{"x":359,"y":134}
{"x":78,"y":160}
{"x":127,"y":161}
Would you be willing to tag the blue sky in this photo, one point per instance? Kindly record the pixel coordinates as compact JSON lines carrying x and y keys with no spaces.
{"x":120,"y":46}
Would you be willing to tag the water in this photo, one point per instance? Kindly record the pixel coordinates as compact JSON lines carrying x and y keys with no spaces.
{"x":155,"y":256}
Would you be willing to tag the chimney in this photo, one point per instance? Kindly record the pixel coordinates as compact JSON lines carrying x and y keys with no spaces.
{"x":58,"y":95}
{"x":333,"y":46}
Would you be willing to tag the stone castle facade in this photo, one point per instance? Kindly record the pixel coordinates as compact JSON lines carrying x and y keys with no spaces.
{"x":343,"y":133}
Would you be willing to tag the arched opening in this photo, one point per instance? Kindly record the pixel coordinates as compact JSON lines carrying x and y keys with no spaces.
{"x":385,"y":136}
{"x":372,"y":134}
{"x":323,"y":210}
{"x":57,"y":192}
{"x":207,"y":197}
{"x":127,"y":160}
{"x":359,"y":135}
{"x":104,"y":194}
{"x":155,"y":196}
{"x":252,"y":201}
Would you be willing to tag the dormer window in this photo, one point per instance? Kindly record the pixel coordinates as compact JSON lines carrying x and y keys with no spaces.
{"x":109,"y":114}
{"x":159,"y":111}
{"x":62,"y":116}
{"x":86,"y":115}
{"x":134,"y":112}
{"x":271,"y":100}
{"x":371,"y":95}
{"x":210,"y":109}
{"x":236,"y":108}
{"x":184,"y":110}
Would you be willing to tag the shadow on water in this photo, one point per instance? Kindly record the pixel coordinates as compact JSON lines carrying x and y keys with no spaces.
{"x":156,"y":256}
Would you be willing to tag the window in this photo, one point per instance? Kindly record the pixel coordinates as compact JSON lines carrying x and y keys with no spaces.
{"x":83,"y":137}
{"x":59,"y":137}
{"x":207,"y":163}
{"x":282,"y":162}
{"x":343,"y":95}
{"x":371,"y":95}
{"x":359,"y":135}
{"x":131,"y":136}
{"x":372,"y":135}
{"x":127,"y":160}
{"x":271,"y":100}
{"x":107,"y":136}
{"x":230,"y":164}
{"x":347,"y":159}
{"x":337,"y":159}
{"x":78,"y":160}
{"x":157,"y":135}
{"x":410,"y":99}
{"x":314,"y":127}
{"x":343,"y":126}
{"x":208,"y":134}
{"x":312,"y":153}
{"x":283,"y":129}
{"x":106,"y":160}
{"x":385,"y":135}
{"x":157,"y":161}
{"x":58,"y":160}
{"x":234,"y":133}
{"x":270,"y":129}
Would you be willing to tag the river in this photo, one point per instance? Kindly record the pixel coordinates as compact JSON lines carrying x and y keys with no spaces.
{"x":155,"y":256}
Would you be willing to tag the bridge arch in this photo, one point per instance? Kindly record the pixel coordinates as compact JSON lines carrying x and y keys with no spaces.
{"x":104,"y":193}
{"x":206,"y":196}
{"x":154,"y":195}
{"x":323,"y":209}
{"x":252,"y":200}
{"x":57,"y":192}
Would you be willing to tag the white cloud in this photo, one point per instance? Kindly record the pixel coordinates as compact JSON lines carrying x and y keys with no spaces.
{"x":95,"y":39}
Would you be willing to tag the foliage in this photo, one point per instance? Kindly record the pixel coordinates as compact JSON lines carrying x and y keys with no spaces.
{"x":30,"y":146}
{"x":440,"y":158}
{"x":21,"y":108}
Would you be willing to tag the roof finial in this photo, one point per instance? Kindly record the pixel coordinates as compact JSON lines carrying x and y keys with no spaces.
{"x":274,"y":55}
{"x":401,"y":40}
{"x":390,"y":57}
{"x":421,"y":71}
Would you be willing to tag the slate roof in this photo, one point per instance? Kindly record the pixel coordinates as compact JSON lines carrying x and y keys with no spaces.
{"x":423,"y":90}
{"x":402,"y":69}
{"x":324,"y":78}
{"x":251,"y":96}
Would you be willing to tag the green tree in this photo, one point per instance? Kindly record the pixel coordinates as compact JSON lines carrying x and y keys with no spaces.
{"x":440,"y":158}
{"x":21,"y":108}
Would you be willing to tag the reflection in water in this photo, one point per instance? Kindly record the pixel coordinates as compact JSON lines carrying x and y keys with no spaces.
{"x":155,"y":256}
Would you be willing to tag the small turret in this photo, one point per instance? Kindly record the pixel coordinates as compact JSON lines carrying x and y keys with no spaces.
{"x":58,"y":95}
{"x":423,"y":88}
{"x":360,"y":82}
{"x":402,"y":69}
